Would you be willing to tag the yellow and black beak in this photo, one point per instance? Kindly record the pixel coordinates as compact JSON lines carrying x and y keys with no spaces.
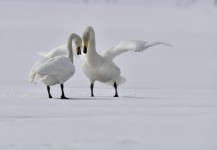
{"x":85,"y":46}
{"x":85,"y":49}
{"x":85,"y":39}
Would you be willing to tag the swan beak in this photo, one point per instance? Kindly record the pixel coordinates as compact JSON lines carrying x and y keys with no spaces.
{"x":85,"y":50}
{"x":79,"y":51}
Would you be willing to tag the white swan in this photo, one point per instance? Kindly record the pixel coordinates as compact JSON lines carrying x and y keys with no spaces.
{"x":101,"y":67}
{"x":57,"y":69}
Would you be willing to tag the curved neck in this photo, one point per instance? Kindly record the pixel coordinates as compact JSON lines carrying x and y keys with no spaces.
{"x":69,"y":47}
{"x":91,"y":45}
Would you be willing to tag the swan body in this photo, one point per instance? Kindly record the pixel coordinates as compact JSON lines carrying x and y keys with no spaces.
{"x":52,"y":71}
{"x":100,"y":67}
{"x":56,"y":69}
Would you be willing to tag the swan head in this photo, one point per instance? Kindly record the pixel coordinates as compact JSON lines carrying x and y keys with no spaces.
{"x":88,"y":34}
{"x":78,"y":43}
{"x":76,"y":39}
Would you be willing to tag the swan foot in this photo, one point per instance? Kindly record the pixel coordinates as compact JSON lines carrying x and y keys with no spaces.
{"x":91,"y":87}
{"x":116,"y":92}
{"x":116,"y":95}
{"x":63,"y":97}
{"x":48,"y":90}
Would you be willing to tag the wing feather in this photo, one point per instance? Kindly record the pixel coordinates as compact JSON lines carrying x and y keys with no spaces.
{"x":55,"y":66}
{"x":58,"y":51}
{"x":131,"y":45}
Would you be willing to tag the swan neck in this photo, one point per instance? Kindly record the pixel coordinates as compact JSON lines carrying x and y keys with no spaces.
{"x":91,"y":45}
{"x":69,"y":47}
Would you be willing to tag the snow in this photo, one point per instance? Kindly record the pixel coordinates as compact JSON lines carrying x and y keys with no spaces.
{"x":168,"y":102}
{"x":139,"y":119}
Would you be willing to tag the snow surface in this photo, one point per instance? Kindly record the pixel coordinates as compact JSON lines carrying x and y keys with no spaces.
{"x":168,"y":102}
{"x":181,"y":119}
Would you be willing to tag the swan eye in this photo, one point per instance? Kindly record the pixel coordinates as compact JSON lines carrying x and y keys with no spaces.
{"x":79,"y":51}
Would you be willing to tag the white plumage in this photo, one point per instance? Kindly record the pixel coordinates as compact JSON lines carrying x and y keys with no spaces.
{"x":56,"y":69}
{"x":130,"y":45}
{"x":57,"y":51}
{"x":101,"y":67}
{"x":52,"y":71}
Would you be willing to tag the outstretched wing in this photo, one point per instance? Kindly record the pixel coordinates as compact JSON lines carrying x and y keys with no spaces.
{"x":131,"y":45}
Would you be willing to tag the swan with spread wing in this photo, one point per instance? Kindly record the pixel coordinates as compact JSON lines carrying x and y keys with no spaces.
{"x":100,"y":67}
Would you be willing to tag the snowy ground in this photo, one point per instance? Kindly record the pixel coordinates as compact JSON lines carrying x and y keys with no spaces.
{"x":168,"y":102}
{"x":140,"y":119}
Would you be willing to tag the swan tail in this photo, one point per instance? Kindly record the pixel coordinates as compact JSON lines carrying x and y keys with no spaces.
{"x":119,"y":81}
{"x":32,"y":78}
{"x":36,"y":78}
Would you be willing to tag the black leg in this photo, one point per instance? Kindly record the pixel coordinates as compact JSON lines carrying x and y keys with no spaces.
{"x":91,"y":87}
{"x":48,"y":90}
{"x":63,"y":95}
{"x":116,"y":92}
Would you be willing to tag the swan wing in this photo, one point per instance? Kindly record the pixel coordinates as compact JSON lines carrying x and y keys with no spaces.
{"x":150,"y":44}
{"x":43,"y":54}
{"x":55,"y":66}
{"x":130,"y":45}
{"x":58,"y":51}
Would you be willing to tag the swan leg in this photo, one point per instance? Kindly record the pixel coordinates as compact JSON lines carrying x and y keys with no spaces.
{"x":116,"y":92}
{"x":62,"y":89}
{"x":48,"y":90}
{"x":91,"y":88}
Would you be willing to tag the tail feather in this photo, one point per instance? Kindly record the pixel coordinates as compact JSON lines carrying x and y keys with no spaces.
{"x":35,"y":78}
{"x":119,"y":81}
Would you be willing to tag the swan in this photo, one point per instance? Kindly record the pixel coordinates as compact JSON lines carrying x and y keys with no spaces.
{"x":100,"y":67}
{"x":57,"y":69}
